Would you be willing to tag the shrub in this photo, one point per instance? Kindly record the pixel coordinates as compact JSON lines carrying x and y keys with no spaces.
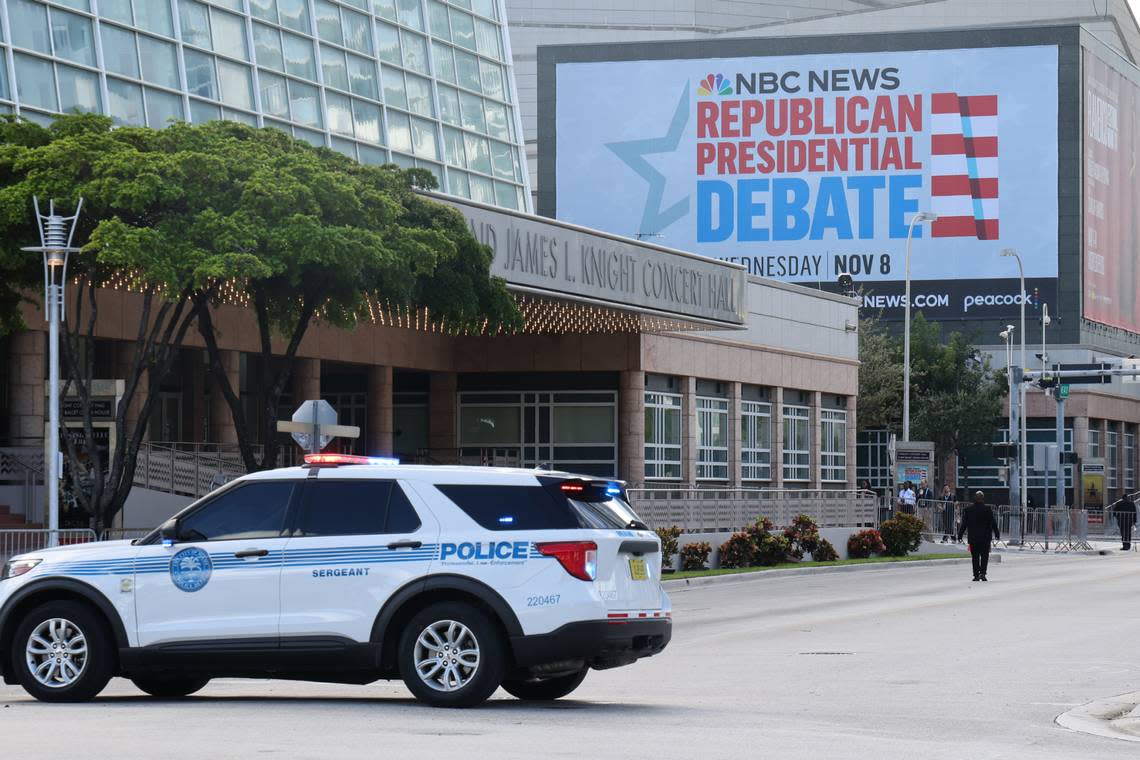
{"x":772,"y":550}
{"x":865,"y":543}
{"x":738,"y":551}
{"x":902,"y":534}
{"x":695,"y":556}
{"x":758,"y":529}
{"x":802,"y":535}
{"x":824,"y":552}
{"x":668,"y":538}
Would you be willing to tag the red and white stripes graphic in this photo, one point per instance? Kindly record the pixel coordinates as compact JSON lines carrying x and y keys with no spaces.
{"x":964,"y":165}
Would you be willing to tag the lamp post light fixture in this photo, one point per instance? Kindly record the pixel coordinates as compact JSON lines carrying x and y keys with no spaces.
{"x":56,"y":233}
{"x":921,"y":216}
{"x":1021,"y":454}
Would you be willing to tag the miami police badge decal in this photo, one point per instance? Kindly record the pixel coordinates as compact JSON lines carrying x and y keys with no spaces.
{"x":190,"y":569}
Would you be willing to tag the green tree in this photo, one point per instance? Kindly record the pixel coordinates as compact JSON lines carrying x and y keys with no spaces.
{"x":880,"y":377}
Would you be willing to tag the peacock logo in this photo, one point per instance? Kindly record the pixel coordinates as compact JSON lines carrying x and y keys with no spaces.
{"x":714,"y":84}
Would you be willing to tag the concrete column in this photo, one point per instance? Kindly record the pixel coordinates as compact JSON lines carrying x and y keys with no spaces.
{"x":631,"y":427}
{"x":777,"y":438}
{"x":222,"y":428}
{"x":1081,"y":438}
{"x":306,"y":380}
{"x":443,"y":410}
{"x":689,"y":430}
{"x":380,"y":425}
{"x":816,"y":428}
{"x":124,"y":360}
{"x":852,"y":421}
{"x":735,"y":435}
{"x":27,"y":370}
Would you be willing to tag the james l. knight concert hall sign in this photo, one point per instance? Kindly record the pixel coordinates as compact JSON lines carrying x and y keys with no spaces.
{"x":547,"y":257}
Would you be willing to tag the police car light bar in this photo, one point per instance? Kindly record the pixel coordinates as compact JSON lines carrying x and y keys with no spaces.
{"x":339,"y":459}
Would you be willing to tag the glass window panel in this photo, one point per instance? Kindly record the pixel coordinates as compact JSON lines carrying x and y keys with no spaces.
{"x":73,"y":37}
{"x":120,"y":54}
{"x":399,"y":131}
{"x":385,"y":9}
{"x":339,"y":109}
{"x":161,"y":107}
{"x":371,"y":156}
{"x":328,"y":21}
{"x":502,"y":160}
{"x":267,"y":47}
{"x":274,"y":95}
{"x":506,"y":196}
{"x":444,"y":63}
{"x":341,"y":145}
{"x":316,"y":139}
{"x":332,"y":63}
{"x":229,"y":35}
{"x":485,"y":8}
{"x":437,"y":20}
{"x":200,"y":78}
{"x":293,"y":14}
{"x":159,"y":61}
{"x":496,"y":120}
{"x":233,"y":5}
{"x":423,"y":138}
{"x":449,"y":105}
{"x":453,"y":151}
{"x":29,"y":26}
{"x":79,"y":5}
{"x":124,"y":102}
{"x":362,"y":77}
{"x":153,"y":16}
{"x":415,"y":52}
{"x":387,"y":42}
{"x":460,"y":184}
{"x":35,"y":84}
{"x":491,"y":75}
{"x":4,"y":85}
{"x":299,"y":59}
{"x":409,"y":14}
{"x":236,"y":84}
{"x":419,"y":95}
{"x":266,"y":9}
{"x":394,"y":93}
{"x":463,"y":29}
{"x":366,"y":118}
{"x":478,"y":153}
{"x":471,"y":106}
{"x":402,"y":161}
{"x":195,"y":23}
{"x":119,"y":10}
{"x":487,"y":39}
{"x":482,"y":189}
{"x":356,"y":33}
{"x":306,"y":103}
{"x":467,"y":71}
{"x":78,"y":89}
{"x":253,"y":510}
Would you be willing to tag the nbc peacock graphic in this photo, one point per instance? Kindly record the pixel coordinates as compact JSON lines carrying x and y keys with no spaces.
{"x":714,"y":84}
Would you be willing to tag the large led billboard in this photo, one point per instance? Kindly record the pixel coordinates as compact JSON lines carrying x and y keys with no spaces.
{"x":805,"y":167}
{"x":1111,"y":192}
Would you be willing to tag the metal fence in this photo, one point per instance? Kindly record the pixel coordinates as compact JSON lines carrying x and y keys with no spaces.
{"x":718,"y":510}
{"x":21,"y":541}
{"x":187,"y":473}
{"x":23,"y":467}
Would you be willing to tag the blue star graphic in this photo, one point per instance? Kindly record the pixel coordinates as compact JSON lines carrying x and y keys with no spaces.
{"x":633,"y":152}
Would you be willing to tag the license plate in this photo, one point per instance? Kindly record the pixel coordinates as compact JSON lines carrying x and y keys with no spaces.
{"x":638,"y":570}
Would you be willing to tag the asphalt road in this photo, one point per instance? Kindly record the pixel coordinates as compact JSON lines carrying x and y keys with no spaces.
{"x":884,"y":663}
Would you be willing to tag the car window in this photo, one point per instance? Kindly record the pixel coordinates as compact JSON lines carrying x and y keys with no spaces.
{"x":344,"y":507}
{"x":510,"y":507}
{"x":252,"y":510}
{"x":402,"y":517}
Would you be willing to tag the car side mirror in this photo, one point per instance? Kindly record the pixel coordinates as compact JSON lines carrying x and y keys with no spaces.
{"x":169,"y":532}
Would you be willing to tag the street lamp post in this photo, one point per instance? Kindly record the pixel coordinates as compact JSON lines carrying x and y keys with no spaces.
{"x":921,"y":216}
{"x":1007,"y":338}
{"x":56,"y":232}
{"x":1021,"y":454}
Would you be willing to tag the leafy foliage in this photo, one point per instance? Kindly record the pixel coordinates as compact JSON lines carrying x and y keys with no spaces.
{"x":774,"y":550}
{"x":695,"y":556}
{"x":668,"y":538}
{"x":902,"y":534}
{"x":738,"y":551}
{"x":824,"y":552}
{"x":802,"y":535}
{"x":865,"y":543}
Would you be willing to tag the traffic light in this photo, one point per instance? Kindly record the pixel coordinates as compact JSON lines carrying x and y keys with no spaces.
{"x":1048,"y":382}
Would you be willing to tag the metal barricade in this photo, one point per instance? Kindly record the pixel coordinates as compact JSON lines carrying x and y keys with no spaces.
{"x":22,"y":541}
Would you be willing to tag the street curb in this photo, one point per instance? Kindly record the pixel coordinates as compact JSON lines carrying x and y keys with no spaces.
{"x":708,"y":580}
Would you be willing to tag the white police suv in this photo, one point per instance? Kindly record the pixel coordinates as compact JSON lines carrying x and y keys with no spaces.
{"x":456,"y":579}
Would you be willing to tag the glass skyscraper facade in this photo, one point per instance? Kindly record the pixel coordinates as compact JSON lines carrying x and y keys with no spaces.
{"x":421,"y":83}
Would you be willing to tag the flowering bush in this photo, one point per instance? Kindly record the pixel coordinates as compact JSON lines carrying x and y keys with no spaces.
{"x":824,"y":552}
{"x":902,"y":534}
{"x":695,"y":556}
{"x":738,"y":551}
{"x":802,"y":535}
{"x":865,"y":543}
{"x":668,"y":538}
{"x":772,"y":550}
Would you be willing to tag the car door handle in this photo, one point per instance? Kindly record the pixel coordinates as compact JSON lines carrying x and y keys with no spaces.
{"x":405,"y":544}
{"x":251,"y":553}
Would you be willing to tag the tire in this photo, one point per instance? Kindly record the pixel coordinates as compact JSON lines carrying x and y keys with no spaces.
{"x":452,"y":627}
{"x":64,"y":632}
{"x":545,"y":689}
{"x":169,"y":686}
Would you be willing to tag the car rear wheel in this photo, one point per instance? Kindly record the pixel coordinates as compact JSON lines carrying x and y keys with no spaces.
{"x":544,"y":689}
{"x":63,"y":652}
{"x":170,"y":687}
{"x":451,"y":654}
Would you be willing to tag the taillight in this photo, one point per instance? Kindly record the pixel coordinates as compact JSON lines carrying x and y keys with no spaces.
{"x":579,"y":558}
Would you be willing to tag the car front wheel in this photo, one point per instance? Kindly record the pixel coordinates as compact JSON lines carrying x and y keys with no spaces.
{"x":63,"y":652}
{"x":451,"y":654}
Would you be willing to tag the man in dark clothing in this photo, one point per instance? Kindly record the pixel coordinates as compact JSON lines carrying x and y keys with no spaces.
{"x":1125,"y":511}
{"x":978,"y":523}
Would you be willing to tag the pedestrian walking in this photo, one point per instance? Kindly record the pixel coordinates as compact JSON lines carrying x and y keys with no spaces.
{"x":1125,"y":513}
{"x":947,"y":500}
{"x":978,"y":523}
